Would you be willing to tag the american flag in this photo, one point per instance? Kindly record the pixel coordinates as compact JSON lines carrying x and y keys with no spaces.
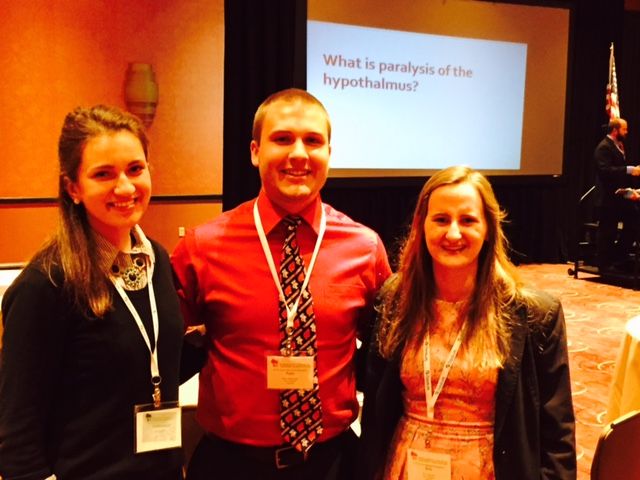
{"x":612,"y":105}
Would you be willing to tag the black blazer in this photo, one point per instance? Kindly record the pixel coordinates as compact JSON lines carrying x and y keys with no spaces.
{"x":534,"y":429}
{"x":611,"y":172}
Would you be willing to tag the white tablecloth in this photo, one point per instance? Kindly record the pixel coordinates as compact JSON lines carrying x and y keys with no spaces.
{"x":189,"y":392}
{"x":625,"y":388}
{"x":6,"y":278}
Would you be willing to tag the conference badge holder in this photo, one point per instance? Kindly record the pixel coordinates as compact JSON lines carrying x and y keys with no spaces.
{"x":426,"y":465}
{"x":157,"y":426}
{"x":289,"y":372}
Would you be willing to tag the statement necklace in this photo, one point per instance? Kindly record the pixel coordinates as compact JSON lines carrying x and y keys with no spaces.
{"x":132,"y":270}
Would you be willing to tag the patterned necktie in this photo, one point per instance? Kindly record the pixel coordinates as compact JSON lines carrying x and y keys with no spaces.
{"x":301,"y":413}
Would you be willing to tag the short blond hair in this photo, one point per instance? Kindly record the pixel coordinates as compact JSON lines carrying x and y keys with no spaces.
{"x":290,"y":95}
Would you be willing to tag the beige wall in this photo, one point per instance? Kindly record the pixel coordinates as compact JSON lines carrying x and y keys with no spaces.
{"x":57,"y":54}
{"x":163,"y":220}
{"x":25,"y":227}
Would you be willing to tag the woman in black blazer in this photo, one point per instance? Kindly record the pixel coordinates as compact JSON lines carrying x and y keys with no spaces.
{"x":468,"y":373}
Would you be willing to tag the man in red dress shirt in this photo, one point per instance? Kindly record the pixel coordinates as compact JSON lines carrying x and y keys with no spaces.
{"x":226,"y":273}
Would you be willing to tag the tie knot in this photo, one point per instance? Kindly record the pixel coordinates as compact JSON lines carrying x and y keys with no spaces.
{"x":292,"y":222}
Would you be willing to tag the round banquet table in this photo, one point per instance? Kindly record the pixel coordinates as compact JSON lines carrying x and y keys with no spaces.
{"x":625,"y":387}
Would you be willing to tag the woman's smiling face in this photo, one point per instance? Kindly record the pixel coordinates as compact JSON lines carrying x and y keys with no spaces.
{"x":455,"y":228}
{"x":113,"y":184}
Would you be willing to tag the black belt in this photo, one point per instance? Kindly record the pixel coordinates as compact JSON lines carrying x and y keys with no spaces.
{"x":282,"y":456}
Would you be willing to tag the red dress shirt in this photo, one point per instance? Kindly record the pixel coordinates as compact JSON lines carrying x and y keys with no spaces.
{"x":224,"y":281}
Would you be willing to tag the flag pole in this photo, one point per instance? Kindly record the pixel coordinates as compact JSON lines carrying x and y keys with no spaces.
{"x":612,"y":100}
{"x":610,"y":61}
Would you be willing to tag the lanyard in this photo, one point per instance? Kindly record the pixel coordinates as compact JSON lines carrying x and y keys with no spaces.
{"x":432,"y":396}
{"x":291,"y":312}
{"x":155,"y":371}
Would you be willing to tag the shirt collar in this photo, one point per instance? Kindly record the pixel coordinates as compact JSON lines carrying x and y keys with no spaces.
{"x":271,"y":215}
{"x":615,"y":140}
{"x":108,"y":252}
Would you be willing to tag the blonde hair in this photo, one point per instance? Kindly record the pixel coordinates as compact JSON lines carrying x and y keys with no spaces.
{"x":290,"y":95}
{"x":407,"y":299}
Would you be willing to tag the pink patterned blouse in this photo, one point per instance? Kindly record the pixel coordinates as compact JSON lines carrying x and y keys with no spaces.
{"x":462,"y":426}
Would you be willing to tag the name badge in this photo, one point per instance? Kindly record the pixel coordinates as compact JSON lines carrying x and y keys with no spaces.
{"x":425,"y":465}
{"x":157,"y":428}
{"x":284,"y":373}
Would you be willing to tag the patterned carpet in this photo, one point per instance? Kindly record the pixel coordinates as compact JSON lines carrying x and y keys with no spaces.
{"x":596,"y":314}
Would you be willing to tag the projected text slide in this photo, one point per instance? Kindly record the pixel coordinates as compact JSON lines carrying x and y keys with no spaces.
{"x":404,"y":100}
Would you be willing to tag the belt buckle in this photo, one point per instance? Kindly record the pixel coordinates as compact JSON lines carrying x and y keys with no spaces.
{"x":288,"y":456}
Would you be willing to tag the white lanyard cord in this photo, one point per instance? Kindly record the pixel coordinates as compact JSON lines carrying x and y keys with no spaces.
{"x":291,"y":312}
{"x":155,"y":371}
{"x":432,"y":396}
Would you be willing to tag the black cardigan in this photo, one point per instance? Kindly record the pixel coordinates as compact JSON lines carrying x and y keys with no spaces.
{"x":68,"y":384}
{"x":534,"y":429}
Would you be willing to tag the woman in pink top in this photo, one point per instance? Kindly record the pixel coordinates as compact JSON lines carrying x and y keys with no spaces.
{"x":468,"y":375}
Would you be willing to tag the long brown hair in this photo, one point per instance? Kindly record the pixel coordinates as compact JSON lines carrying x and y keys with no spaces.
{"x":72,"y":250}
{"x":408,"y":297}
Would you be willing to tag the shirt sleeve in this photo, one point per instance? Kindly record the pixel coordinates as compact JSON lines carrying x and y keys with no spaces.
{"x":186,"y":279}
{"x":33,"y":346}
{"x":381,"y":271}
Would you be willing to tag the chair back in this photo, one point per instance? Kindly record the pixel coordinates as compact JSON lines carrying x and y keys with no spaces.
{"x":617,"y":453}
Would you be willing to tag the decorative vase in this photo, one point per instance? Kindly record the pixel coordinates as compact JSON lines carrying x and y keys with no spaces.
{"x":141,"y":91}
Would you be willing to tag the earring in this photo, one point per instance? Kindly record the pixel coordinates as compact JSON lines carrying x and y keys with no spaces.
{"x":76,"y":201}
